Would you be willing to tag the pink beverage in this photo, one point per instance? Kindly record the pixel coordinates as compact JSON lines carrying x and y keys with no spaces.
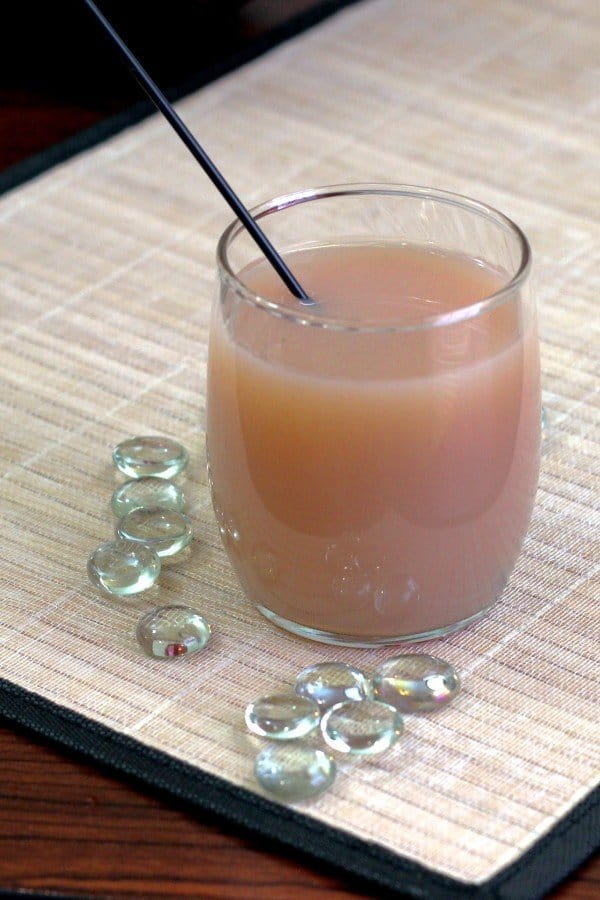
{"x":374,"y":459}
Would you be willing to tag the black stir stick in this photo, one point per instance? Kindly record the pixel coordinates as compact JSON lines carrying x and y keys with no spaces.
{"x":163,"y":105}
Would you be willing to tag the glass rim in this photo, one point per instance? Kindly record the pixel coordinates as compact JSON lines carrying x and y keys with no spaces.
{"x":304,"y":316}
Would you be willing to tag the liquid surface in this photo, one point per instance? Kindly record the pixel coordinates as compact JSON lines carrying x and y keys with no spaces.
{"x":378,"y":482}
{"x":381,"y":284}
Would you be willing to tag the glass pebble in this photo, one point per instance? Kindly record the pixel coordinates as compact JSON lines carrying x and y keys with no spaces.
{"x":294,"y":771}
{"x":122,"y":568}
{"x":165,"y":530}
{"x":171,"y":631}
{"x":150,"y":455}
{"x":362,"y":728}
{"x":415,"y":682}
{"x":146,"y":493}
{"x":328,"y":683}
{"x":282,"y":716}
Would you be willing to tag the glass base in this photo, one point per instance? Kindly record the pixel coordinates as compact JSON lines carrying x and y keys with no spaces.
{"x":350,"y":640}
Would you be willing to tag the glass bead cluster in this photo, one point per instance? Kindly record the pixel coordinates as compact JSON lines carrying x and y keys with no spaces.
{"x":355,"y":714}
{"x":151,"y":526}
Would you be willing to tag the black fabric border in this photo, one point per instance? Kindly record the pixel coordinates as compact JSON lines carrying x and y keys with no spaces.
{"x":542,"y":867}
{"x":35,"y":165}
{"x":550,"y":860}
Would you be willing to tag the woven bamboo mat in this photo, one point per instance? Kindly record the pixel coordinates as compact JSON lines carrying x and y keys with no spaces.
{"x":106,"y":275}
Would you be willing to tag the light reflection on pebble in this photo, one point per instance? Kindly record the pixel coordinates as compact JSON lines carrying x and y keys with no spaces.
{"x":294,"y":771}
{"x":150,"y":455}
{"x":416,"y":682}
{"x":282,"y":717}
{"x":329,"y":683}
{"x":362,"y":728}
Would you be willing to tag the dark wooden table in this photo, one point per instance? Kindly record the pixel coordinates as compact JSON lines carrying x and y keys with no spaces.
{"x":66,"y":828}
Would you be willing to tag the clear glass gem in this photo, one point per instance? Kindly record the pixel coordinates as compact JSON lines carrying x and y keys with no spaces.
{"x":282,"y":716}
{"x":415,"y":682}
{"x":122,"y":568}
{"x":150,"y":455}
{"x":362,"y":728}
{"x":294,"y":771}
{"x":165,"y":530}
{"x":328,"y":683}
{"x":171,"y":631}
{"x":146,"y":493}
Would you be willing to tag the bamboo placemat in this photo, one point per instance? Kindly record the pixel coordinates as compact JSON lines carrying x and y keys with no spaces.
{"x":106,"y":280}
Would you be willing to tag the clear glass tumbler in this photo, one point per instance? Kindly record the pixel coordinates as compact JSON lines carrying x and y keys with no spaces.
{"x":373,"y":478}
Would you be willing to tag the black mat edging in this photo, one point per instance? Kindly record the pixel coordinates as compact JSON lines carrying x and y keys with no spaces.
{"x":32,"y":894}
{"x":38,"y":163}
{"x":550,"y":860}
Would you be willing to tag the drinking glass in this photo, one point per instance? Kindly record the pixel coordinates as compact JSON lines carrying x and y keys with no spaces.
{"x":373,"y":481}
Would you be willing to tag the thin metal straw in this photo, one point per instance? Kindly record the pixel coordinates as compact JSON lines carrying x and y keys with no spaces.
{"x":162,"y":104}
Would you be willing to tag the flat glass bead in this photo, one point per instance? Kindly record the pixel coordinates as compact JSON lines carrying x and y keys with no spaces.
{"x":415,"y":682}
{"x":282,"y":716}
{"x":328,"y":683}
{"x":146,"y":493}
{"x":363,"y":728}
{"x":165,"y":530}
{"x":122,"y":568}
{"x":171,"y":631}
{"x":294,"y":771}
{"x":150,"y":455}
